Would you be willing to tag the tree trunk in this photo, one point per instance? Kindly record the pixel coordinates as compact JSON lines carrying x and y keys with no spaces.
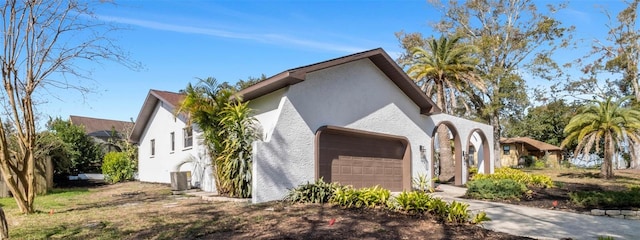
{"x":606,"y":169}
{"x":495,"y":123}
{"x":4,"y":227}
{"x":447,"y":168}
{"x":634,"y":156}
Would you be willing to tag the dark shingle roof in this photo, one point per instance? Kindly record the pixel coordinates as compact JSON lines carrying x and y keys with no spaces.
{"x":172,"y":99}
{"x":99,"y":126}
{"x":543,"y":146}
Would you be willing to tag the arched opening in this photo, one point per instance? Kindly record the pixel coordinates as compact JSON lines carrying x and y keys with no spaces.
{"x":478,"y":152}
{"x":447,"y":154}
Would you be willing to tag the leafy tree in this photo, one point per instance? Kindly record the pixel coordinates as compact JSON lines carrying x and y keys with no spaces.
{"x":84,"y":155}
{"x":513,"y":37}
{"x":545,"y":123}
{"x":42,"y":40}
{"x":228,"y":132}
{"x":615,"y":60}
{"x":445,"y":66}
{"x":118,"y":167}
{"x":50,"y":144}
{"x":608,"y":126}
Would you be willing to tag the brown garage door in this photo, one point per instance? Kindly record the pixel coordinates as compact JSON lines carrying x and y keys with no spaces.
{"x":362,"y":160}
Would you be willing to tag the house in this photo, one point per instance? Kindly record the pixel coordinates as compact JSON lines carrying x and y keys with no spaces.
{"x":516,"y":150}
{"x":166,"y":143}
{"x":358,"y":120}
{"x":103,"y":131}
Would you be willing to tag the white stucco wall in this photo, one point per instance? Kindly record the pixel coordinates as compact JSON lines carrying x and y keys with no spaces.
{"x":354,"y":95}
{"x":157,"y":168}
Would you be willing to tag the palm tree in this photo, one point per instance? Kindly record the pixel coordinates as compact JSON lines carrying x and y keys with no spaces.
{"x":445,"y":66}
{"x":228,"y":131}
{"x":607,"y":125}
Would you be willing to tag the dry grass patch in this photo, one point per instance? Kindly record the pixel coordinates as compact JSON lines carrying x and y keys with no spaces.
{"x":622,"y":180}
{"x":148,"y":211}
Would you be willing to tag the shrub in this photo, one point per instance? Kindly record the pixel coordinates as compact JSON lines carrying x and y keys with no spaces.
{"x":480,"y":218}
{"x":457,"y":212}
{"x":421,"y":183}
{"x":117,"y":167}
{"x":363,"y":197}
{"x":473,"y":171}
{"x":414,"y":202}
{"x":535,"y":180}
{"x":317,"y":192}
{"x":419,"y":202}
{"x":591,"y":199}
{"x":495,"y":189}
{"x":539,"y":164}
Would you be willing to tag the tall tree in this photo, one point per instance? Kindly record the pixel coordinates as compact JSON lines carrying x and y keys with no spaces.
{"x":513,"y":38}
{"x":85,"y":155}
{"x":445,"y":66}
{"x":228,"y":131}
{"x":42,"y":39}
{"x":608,"y":126}
{"x":545,"y":123}
{"x":617,"y":57}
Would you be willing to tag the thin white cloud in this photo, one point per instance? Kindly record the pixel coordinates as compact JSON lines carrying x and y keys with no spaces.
{"x":276,"y":39}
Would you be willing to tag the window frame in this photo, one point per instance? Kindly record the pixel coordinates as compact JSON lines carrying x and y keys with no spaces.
{"x":173,"y":141}
{"x":153,"y":147}
{"x":187,"y":137}
{"x":506,"y":149}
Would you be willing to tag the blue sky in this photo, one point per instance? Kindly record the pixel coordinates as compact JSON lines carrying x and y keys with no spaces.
{"x":179,"y":41}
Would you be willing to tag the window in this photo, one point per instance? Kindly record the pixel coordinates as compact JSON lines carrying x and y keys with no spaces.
{"x":153,"y":147}
{"x":505,"y":149}
{"x":173,"y":141}
{"x":188,"y":137}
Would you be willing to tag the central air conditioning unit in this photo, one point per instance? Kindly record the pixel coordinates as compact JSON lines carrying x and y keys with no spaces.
{"x":180,"y":181}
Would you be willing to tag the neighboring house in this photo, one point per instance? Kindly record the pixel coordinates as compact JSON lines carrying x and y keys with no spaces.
{"x":103,"y":131}
{"x":357,"y":120}
{"x":516,"y":150}
{"x":167,"y":144}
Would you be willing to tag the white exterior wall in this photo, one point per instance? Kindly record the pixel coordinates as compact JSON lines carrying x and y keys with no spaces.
{"x":157,"y":168}
{"x":465,"y":128}
{"x":355,"y":95}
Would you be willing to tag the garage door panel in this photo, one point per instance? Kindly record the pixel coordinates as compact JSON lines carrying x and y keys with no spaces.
{"x":362,"y":161}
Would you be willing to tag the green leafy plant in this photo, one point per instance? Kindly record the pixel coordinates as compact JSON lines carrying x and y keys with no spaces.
{"x":422,"y":183}
{"x":228,"y":131}
{"x":117,"y":167}
{"x":480,"y":218}
{"x":363,"y":197}
{"x":495,"y":189}
{"x":589,"y":199}
{"x":374,"y":197}
{"x":413,"y":202}
{"x":457,"y":212}
{"x":539,"y":164}
{"x":317,"y":192}
{"x":473,"y":171}
{"x":438,"y":207}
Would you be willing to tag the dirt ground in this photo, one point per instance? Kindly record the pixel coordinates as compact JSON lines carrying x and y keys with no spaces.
{"x":149,"y":211}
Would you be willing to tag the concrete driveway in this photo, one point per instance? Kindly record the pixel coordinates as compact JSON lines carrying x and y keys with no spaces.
{"x":544,"y":224}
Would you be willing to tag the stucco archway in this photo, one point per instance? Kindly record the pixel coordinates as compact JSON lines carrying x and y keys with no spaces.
{"x":458,"y":164}
{"x":484,"y":150}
